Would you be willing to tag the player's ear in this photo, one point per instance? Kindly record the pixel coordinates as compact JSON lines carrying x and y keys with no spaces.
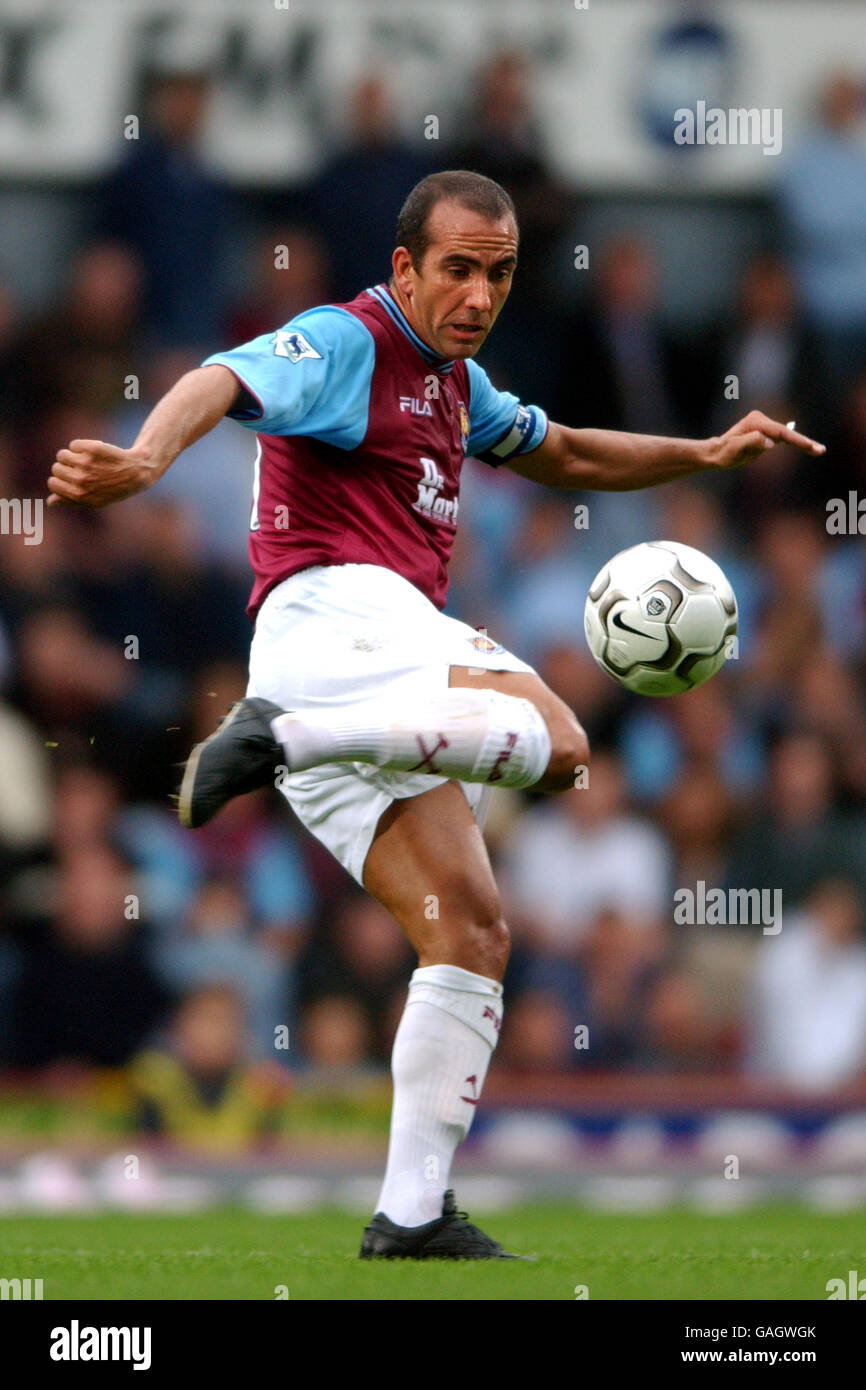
{"x":401,"y":262}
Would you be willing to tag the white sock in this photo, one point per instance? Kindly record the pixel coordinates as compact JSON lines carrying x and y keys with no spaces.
{"x":470,"y":735}
{"x":441,"y":1053}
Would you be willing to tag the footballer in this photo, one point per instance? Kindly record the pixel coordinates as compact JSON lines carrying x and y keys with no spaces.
{"x":382,"y":721}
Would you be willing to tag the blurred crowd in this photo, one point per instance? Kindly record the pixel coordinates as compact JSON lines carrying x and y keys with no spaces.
{"x":213,"y":966}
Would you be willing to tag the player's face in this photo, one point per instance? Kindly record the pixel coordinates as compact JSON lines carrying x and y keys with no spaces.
{"x":455,"y":297}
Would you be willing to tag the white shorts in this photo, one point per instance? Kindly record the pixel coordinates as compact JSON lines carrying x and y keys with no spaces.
{"x":333,"y":635}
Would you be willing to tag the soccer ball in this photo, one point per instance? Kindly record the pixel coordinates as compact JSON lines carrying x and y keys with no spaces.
{"x":660,"y":618}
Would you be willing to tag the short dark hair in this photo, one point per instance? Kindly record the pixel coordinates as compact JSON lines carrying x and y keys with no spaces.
{"x":463,"y":186}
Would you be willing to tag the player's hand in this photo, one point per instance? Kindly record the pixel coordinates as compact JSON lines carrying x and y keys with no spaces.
{"x":752,"y":436}
{"x":93,"y":474}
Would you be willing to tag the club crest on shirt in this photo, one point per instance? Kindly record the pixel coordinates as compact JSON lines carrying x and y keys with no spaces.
{"x":464,"y":423}
{"x":482,"y":643}
{"x":293,"y":345}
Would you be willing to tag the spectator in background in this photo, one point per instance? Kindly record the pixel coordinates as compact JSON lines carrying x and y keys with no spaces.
{"x":847,"y":460}
{"x":163,"y":203}
{"x":336,"y":1039}
{"x":199,"y":1091}
{"x":73,"y":362}
{"x":69,"y":681}
{"x":218,"y":946}
{"x":827,"y":700}
{"x":699,"y":813}
{"x":600,"y":1012}
{"x":702,"y":729}
{"x":81,"y":351}
{"x":86,"y":990}
{"x":808,"y":1019}
{"x":562,"y":868}
{"x":355,"y":200}
{"x":772,"y":353}
{"x":362,"y":958}
{"x":621,"y":957}
{"x":679,"y":1032}
{"x":179,"y":604}
{"x":791,"y":555}
{"x":546,"y":576}
{"x":538,"y":1033}
{"x":472,"y":577}
{"x":36,"y":576}
{"x":796,"y":835}
{"x":708,"y":976}
{"x":493,"y":507}
{"x":619,"y":366}
{"x":229,"y":904}
{"x":822,"y":201}
{"x":810,"y":583}
{"x":87,"y":803}
{"x":290,"y":274}
{"x":844,"y":610}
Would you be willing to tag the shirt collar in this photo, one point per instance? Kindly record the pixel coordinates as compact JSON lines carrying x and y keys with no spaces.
{"x":392,"y":308}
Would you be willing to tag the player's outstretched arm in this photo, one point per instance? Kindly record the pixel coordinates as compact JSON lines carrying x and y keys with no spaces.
{"x":608,"y":461}
{"x":91,"y":473}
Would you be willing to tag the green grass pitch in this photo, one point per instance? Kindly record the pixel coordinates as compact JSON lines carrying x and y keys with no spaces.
{"x":768,"y":1253}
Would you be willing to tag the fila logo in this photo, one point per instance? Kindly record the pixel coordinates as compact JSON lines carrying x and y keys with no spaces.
{"x":429,"y":501}
{"x":294,"y":346}
{"x":414,"y":406}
